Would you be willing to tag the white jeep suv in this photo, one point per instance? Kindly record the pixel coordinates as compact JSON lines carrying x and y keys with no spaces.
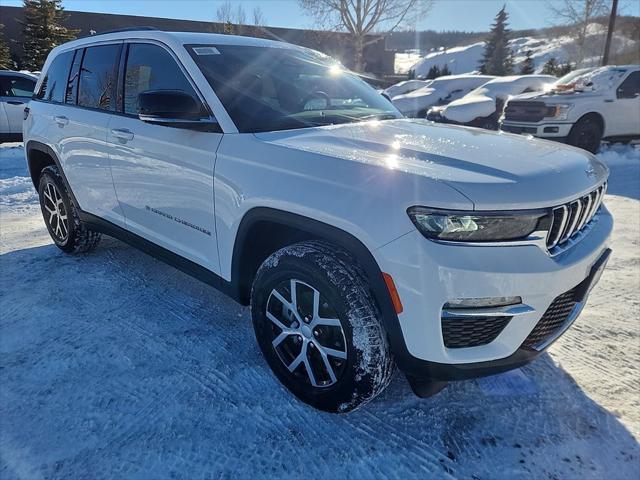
{"x":361,"y":239}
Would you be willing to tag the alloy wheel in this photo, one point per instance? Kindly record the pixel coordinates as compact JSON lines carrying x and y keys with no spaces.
{"x":57,"y":220}
{"x":307,"y":334}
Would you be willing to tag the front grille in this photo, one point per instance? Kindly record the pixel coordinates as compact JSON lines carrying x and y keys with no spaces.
{"x":519,"y":129}
{"x":521,"y":111}
{"x":464,"y":332}
{"x":553,"y":319}
{"x":568,"y":220}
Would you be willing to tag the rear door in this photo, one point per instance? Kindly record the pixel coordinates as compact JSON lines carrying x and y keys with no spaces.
{"x":16,"y":91}
{"x":163,"y":175}
{"x":79,"y":128}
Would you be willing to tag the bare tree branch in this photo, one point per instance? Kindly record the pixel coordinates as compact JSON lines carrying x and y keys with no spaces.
{"x":363,"y":17}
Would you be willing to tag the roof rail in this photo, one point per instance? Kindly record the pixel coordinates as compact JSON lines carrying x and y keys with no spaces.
{"x":119,"y":30}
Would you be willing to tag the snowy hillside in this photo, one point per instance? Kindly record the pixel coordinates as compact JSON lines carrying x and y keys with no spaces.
{"x":465,"y":59}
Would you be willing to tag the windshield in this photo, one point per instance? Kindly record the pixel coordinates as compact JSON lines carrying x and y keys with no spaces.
{"x":571,"y":76}
{"x":269,"y":88}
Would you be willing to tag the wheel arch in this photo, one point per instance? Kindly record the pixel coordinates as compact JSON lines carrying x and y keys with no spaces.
{"x":595,"y":116}
{"x":285,"y":228}
{"x":40,"y":155}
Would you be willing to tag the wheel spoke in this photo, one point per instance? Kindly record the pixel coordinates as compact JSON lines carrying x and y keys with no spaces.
{"x":329,"y":322}
{"x":51,"y":212}
{"x":282,"y":300}
{"x":279,"y":339}
{"x":294,"y":296}
{"x":316,"y":304}
{"x":63,"y":226}
{"x":327,"y":364}
{"x":332,"y":352}
{"x":278,"y":323}
{"x":47,"y":194}
{"x":298,"y":360}
{"x":310,"y":374}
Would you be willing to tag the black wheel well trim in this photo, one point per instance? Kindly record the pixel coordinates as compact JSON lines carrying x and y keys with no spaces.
{"x":33,"y":145}
{"x":315,"y":229}
{"x":599,"y":118}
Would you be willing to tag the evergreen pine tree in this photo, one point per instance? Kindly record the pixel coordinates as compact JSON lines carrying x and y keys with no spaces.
{"x":42,"y":30}
{"x":563,"y":69}
{"x":550,"y":67}
{"x":497,"y":58}
{"x":5,"y":55}
{"x":445,"y":70}
{"x":528,"y":67}
{"x":434,"y":72}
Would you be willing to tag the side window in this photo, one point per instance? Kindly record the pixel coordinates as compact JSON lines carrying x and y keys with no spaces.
{"x":150,"y":67}
{"x":71,"y":94}
{"x":630,"y":88}
{"x":54,"y":83}
{"x":99,"y":77}
{"x":21,"y":87}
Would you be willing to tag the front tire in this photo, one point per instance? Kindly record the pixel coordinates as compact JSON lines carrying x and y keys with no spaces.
{"x":60,"y":215}
{"x":319,"y":328}
{"x":586,"y":134}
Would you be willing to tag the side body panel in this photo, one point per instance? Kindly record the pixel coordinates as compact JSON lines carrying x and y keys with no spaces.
{"x":164,"y":181}
{"x":79,"y":138}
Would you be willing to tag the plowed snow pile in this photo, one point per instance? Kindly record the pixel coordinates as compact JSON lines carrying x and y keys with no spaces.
{"x":114,"y":365}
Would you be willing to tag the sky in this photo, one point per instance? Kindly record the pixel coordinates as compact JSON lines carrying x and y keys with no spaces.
{"x":470,"y":15}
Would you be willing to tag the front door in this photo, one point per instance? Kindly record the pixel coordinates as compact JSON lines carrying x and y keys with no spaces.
{"x":163,"y":175}
{"x":626,"y":116}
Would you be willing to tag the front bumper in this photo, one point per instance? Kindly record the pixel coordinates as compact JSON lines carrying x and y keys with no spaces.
{"x":428,"y":275}
{"x":551,"y":130}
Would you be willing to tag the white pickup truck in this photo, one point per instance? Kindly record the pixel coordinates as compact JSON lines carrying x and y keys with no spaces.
{"x":600,"y":104}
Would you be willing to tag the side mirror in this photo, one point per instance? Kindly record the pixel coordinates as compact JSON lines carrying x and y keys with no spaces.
{"x":173,"y":108}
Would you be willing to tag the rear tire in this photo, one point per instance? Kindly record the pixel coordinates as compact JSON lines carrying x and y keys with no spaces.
{"x":331,"y":322}
{"x":586,"y":134}
{"x":60,"y":215}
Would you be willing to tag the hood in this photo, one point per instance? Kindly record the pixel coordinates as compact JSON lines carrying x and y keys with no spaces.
{"x":494,"y":170}
{"x":557,"y":97}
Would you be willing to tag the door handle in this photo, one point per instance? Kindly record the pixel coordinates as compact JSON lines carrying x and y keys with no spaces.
{"x":122,"y":134}
{"x":609,"y":100}
{"x":15,"y":102}
{"x":61,"y":120}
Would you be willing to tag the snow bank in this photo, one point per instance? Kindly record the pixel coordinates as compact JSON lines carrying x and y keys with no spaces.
{"x":482,"y":101}
{"x":16,"y":187}
{"x":458,"y":59}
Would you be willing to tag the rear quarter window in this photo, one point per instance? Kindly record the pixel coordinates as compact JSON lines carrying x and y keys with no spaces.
{"x":54,"y":83}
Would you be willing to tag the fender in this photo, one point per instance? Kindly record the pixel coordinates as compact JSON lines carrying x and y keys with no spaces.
{"x":36,"y":146}
{"x":319,"y":230}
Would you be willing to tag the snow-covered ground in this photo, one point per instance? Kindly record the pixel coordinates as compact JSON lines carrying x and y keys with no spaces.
{"x":114,"y":365}
{"x":465,"y":59}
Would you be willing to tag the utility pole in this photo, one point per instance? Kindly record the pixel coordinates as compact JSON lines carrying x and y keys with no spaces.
{"x":612,"y":23}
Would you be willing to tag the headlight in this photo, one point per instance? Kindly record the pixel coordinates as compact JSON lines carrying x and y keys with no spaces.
{"x":477,"y":226}
{"x":559,"y":112}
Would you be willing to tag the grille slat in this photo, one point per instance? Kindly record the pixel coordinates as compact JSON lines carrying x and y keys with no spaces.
{"x":570,"y":219}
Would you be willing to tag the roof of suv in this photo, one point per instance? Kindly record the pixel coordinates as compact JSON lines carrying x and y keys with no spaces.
{"x":177,"y":37}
